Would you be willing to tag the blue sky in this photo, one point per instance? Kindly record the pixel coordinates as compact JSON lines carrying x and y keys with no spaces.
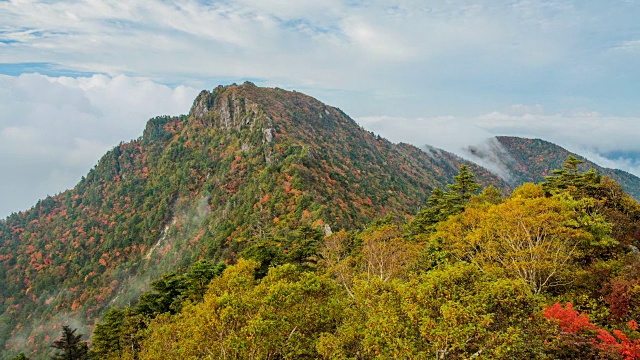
{"x":78,"y":77}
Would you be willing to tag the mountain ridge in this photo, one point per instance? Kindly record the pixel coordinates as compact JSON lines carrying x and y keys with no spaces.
{"x":246,"y":164}
{"x":536,"y":158}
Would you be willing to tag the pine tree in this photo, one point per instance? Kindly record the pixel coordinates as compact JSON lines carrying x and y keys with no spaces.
{"x":107,"y":335}
{"x":442,"y":204}
{"x":569,"y":178}
{"x":72,"y":347}
{"x":199,"y":276}
{"x":460,"y":192}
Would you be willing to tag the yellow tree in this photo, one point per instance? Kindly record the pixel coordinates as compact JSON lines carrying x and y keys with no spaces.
{"x":335,"y":252}
{"x":279,"y":317}
{"x":385,"y":253}
{"x":382,"y":252}
{"x":453,"y":312}
{"x":529,"y":236}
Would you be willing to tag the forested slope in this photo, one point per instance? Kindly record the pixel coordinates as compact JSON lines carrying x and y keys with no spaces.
{"x":550,"y":272}
{"x":247,"y":167}
{"x":532,"y":159}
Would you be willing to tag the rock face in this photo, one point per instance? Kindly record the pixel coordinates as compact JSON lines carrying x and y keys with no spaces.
{"x":200,"y":105}
{"x":268,"y":134}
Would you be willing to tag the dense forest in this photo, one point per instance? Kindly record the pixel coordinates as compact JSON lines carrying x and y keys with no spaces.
{"x":244,"y":230}
{"x":551,"y":271}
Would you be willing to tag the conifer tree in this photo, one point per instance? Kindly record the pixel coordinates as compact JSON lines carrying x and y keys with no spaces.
{"x":460,"y":192}
{"x":107,"y":335}
{"x":569,"y":178}
{"x":70,"y":345}
{"x":442,"y":204}
{"x":199,"y":276}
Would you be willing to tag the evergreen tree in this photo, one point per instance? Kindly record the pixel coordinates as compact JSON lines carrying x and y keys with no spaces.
{"x":199,"y":276}
{"x":70,"y":345}
{"x":165,"y":297}
{"x":569,"y":178}
{"x":442,"y":204}
{"x":460,"y":192}
{"x":106,"y":339}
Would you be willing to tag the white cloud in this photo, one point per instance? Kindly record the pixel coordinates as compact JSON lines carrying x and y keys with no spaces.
{"x":53,"y":130}
{"x":578,"y":128}
{"x":319,"y":42}
{"x":632,"y":46}
{"x":457,"y":135}
{"x":445,"y":132}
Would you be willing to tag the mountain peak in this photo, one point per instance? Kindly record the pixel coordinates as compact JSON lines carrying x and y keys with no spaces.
{"x":247,"y":164}
{"x":228,"y":100}
{"x":533,"y":159}
{"x":234,"y":106}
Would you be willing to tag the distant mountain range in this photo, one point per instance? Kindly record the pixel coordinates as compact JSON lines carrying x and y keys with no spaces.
{"x":246,"y":163}
{"x":518,"y":160}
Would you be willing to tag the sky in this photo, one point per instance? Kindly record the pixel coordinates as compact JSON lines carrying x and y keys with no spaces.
{"x":78,"y":77}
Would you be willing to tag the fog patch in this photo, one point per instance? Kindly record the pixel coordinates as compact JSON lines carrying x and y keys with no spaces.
{"x":491,"y":155}
{"x":609,"y":141}
{"x":172,"y":250}
{"x":456,"y":135}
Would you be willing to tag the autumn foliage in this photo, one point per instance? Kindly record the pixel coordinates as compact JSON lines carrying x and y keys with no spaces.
{"x":570,"y":321}
{"x":248,"y":166}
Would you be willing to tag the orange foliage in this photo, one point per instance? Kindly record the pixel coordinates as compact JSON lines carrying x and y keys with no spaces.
{"x":569,"y":320}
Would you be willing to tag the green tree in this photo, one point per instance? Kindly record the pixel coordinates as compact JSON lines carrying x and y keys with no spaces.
{"x":20,"y":356}
{"x":199,"y":276}
{"x":165,"y":297}
{"x":569,"y":178}
{"x":300,"y":247}
{"x":442,"y":204}
{"x":107,"y":336}
{"x":70,"y":346}
{"x":460,"y":192}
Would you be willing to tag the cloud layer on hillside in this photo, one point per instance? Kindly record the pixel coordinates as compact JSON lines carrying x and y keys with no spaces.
{"x":53,"y":130}
{"x":607,"y":140}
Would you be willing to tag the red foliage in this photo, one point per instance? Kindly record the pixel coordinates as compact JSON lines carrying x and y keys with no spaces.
{"x":630,"y":350}
{"x":571,"y":321}
{"x":619,"y":299}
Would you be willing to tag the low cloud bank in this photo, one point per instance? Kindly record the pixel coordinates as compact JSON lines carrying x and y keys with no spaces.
{"x":54,"y":129}
{"x":607,"y":140}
